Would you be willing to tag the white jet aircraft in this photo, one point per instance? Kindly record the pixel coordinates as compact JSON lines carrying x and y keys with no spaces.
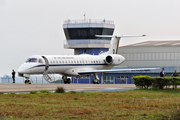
{"x":75,"y":65}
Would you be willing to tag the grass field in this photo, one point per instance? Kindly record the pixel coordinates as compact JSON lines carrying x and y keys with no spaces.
{"x":134,"y":104}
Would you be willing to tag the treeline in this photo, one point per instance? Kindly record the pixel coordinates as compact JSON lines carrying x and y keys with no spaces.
{"x":143,"y":82}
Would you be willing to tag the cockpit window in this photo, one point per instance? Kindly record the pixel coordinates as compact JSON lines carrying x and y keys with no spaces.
{"x":40,"y":61}
{"x":32,"y":60}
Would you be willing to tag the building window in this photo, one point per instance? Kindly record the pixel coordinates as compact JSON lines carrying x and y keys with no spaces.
{"x":108,"y":79}
{"x":123,"y":79}
{"x":168,"y":56}
{"x":175,"y":56}
{"x":172,"y":56}
{"x":142,"y":56}
{"x":164,"y":56}
{"x":135,"y":56}
{"x":146,"y":56}
{"x":131,"y":56}
{"x":160,"y":56}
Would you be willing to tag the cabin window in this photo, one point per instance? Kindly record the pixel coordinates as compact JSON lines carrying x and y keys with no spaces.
{"x":54,"y":62}
{"x":60,"y":62}
{"x":82,"y":61}
{"x":71,"y":61}
{"x":86,"y":61}
{"x":66,"y":61}
{"x":96,"y":61}
{"x":77,"y":62}
{"x":74,"y":61}
{"x":63,"y":62}
{"x":57,"y":62}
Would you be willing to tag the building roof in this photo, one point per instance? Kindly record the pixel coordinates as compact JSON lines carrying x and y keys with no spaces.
{"x":168,"y":43}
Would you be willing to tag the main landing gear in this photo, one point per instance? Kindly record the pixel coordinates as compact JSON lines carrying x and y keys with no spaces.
{"x":96,"y":79}
{"x":66,"y":80}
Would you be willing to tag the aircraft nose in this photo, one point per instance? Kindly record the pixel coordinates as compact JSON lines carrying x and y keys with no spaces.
{"x":21,"y":69}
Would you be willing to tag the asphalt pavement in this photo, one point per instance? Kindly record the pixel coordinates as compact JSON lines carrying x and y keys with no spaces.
{"x":19,"y":87}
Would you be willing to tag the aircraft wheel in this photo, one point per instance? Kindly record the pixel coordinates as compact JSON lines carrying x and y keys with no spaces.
{"x":68,"y":80}
{"x":27,"y":82}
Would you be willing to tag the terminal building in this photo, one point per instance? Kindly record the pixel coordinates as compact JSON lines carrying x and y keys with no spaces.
{"x":80,"y":36}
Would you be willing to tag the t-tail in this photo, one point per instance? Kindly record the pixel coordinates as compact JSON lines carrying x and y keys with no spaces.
{"x":115,"y":41}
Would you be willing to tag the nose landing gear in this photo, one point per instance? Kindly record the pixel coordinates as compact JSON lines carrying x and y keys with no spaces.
{"x":27,"y":82}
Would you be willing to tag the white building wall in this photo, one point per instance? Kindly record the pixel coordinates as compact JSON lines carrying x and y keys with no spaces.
{"x":150,"y":56}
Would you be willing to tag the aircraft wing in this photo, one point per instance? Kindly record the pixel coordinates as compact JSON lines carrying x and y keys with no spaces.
{"x":115,"y":70}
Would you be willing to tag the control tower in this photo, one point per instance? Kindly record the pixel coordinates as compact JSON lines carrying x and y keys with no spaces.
{"x":80,"y":35}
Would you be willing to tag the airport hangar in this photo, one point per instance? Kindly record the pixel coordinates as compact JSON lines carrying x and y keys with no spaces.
{"x":80,"y":36}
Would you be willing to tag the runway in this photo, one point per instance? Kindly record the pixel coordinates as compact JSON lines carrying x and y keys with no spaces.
{"x":18,"y":87}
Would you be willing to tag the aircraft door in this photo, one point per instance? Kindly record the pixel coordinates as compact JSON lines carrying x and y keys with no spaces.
{"x":47,"y":62}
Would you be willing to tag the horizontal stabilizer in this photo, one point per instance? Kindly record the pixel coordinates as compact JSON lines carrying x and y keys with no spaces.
{"x":122,"y":36}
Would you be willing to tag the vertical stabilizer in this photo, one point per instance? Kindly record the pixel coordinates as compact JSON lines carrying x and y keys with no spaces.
{"x":114,"y":45}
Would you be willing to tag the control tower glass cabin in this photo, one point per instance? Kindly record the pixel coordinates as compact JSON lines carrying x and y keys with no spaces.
{"x":80,"y":35}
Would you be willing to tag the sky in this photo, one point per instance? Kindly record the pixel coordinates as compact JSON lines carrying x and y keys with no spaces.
{"x":34,"y":27}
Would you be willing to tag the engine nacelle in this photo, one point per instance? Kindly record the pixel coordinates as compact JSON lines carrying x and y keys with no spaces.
{"x":113,"y":59}
{"x":109,"y":59}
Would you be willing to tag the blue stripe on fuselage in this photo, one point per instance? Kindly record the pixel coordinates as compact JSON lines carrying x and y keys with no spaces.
{"x":67,"y":65}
